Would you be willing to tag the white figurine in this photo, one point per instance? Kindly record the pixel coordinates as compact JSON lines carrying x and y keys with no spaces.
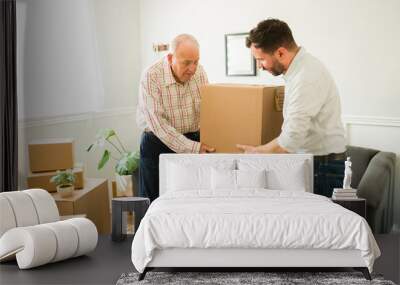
{"x":347,"y":174}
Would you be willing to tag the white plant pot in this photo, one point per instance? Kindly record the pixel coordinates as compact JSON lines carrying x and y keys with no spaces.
{"x":124,"y":184}
{"x":65,"y":190}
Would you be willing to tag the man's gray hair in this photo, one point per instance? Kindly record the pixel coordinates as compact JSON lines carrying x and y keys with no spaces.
{"x":179,"y":39}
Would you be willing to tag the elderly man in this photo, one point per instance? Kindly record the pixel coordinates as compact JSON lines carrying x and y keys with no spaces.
{"x":311,"y":110}
{"x":169,"y":110}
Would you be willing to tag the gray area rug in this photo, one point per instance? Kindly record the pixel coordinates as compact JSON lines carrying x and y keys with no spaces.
{"x":231,"y":278}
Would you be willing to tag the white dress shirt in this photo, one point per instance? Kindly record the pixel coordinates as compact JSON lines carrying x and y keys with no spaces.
{"x":311,"y":109}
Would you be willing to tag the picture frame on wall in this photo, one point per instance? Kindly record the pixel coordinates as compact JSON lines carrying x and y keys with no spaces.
{"x":238,"y":58}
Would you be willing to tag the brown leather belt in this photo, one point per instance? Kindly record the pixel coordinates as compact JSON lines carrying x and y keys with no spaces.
{"x":150,"y":132}
{"x":330,"y":157}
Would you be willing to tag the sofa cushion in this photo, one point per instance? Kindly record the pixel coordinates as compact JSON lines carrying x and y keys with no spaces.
{"x":360,"y":158}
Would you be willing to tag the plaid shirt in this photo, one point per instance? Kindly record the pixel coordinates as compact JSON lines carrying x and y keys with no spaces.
{"x":170,"y":109}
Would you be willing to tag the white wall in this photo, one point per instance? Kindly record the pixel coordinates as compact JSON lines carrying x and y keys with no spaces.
{"x":117,"y":26}
{"x":357,"y":40}
{"x":76,"y":56}
{"x":78,"y":71}
{"x":58,"y":58}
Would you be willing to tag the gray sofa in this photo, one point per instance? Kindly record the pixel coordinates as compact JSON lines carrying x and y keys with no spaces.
{"x":373,"y":176}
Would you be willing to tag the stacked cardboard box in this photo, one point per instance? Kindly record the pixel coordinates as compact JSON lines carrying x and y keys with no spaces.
{"x":42,"y":180}
{"x":240,"y":114}
{"x":90,"y":197}
{"x":50,"y":154}
{"x":93,"y":201}
{"x":46,"y":156}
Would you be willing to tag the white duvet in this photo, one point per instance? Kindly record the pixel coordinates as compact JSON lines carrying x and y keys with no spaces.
{"x":251,"y":218}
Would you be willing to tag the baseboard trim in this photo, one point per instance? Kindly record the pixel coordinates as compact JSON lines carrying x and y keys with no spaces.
{"x":38,"y":122}
{"x":46,"y":121}
{"x":371,"y":121}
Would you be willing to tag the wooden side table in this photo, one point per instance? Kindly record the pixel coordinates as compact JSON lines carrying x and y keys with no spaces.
{"x":138,"y":205}
{"x":358,"y":205}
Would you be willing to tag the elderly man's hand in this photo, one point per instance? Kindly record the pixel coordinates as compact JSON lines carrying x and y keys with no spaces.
{"x":247,"y":148}
{"x":206,"y":149}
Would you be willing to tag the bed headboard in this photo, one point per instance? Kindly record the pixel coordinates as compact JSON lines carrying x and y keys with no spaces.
{"x":306,"y":160}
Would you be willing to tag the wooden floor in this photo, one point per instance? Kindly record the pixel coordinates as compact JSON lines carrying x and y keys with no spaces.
{"x":111,"y":259}
{"x":389,"y":262}
{"x":102,"y":266}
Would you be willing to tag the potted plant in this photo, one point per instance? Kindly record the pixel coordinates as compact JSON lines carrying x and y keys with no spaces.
{"x":127,"y":162}
{"x":64,"y":181}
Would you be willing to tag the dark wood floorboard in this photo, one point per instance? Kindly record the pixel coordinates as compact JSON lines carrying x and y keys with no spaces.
{"x":102,"y":266}
{"x":111,"y":259}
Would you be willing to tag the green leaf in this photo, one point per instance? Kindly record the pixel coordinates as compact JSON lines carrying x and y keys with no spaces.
{"x":134,"y":158}
{"x":136,"y":155}
{"x":90,"y":147}
{"x":128,"y":163}
{"x":63,"y":178}
{"x":109,"y":134}
{"x":105,"y":134}
{"x":104,"y":159}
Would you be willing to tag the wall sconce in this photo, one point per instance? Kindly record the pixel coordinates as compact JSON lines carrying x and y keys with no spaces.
{"x":160,"y":47}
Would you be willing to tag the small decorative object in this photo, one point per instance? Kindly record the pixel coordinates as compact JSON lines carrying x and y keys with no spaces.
{"x":127,"y":162}
{"x":239,"y":60}
{"x":345,"y":193}
{"x":347,"y":174}
{"x":64,"y":181}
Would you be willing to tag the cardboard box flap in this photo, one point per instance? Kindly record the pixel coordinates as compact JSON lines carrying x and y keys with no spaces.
{"x":240,"y":85}
{"x":51,"y":141}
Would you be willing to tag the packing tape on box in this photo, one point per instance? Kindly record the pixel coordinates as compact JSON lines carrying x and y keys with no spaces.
{"x":279,"y":98}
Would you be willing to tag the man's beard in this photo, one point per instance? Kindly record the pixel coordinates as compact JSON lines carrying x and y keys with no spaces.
{"x":277,"y":68}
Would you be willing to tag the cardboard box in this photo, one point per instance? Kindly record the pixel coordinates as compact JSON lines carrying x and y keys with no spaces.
{"x":63,"y":218}
{"x":240,"y":114}
{"x":50,"y":155}
{"x":93,"y":200}
{"x":132,"y":191}
{"x":42,"y":180}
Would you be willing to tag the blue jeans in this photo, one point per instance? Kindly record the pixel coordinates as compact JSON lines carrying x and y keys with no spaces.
{"x":328,"y":174}
{"x":150,"y":149}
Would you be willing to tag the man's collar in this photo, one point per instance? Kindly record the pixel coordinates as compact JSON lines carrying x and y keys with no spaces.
{"x":295,"y":62}
{"x":169,"y":77}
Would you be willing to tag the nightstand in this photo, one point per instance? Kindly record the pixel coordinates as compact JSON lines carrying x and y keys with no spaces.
{"x":358,"y":205}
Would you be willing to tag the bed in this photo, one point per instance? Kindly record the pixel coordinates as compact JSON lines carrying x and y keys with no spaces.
{"x":247,"y":210}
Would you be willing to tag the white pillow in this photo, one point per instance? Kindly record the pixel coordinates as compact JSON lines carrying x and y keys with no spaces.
{"x":282,"y":174}
{"x":183,"y":177}
{"x":188,"y":175}
{"x":251,"y":178}
{"x":293,"y":180}
{"x":236,"y":179}
{"x":223,"y":179}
